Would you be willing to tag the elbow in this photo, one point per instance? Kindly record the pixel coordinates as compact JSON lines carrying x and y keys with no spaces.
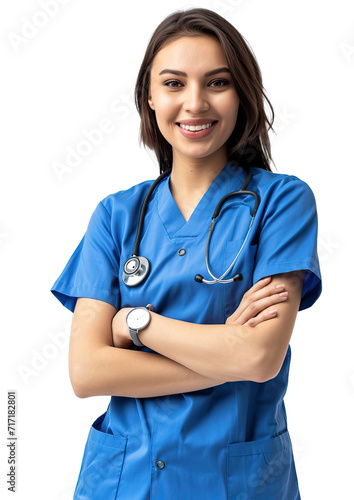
{"x":78,"y":379}
{"x":267,"y":369}
{"x":256,"y":364}
{"x":246,"y":359}
{"x":250,"y":369}
{"x":80,"y":390}
{"x":264,"y":375}
{"x":87,"y":373}
{"x":256,"y":373}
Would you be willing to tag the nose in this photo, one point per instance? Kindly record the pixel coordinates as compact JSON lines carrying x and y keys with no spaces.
{"x":195,"y":99}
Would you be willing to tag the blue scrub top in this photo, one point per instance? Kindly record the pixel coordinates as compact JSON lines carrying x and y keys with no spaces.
{"x":226,"y":442}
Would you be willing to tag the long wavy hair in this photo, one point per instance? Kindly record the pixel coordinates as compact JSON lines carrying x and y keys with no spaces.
{"x":249,"y":143}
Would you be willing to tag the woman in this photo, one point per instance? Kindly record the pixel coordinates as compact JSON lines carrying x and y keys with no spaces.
{"x":197,"y":407}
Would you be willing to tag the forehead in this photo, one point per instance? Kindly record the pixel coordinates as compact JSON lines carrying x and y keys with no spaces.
{"x":195,"y":52}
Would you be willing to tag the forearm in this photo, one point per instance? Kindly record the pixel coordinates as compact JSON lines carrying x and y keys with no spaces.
{"x":227,"y":352}
{"x":122,"y":372}
{"x":234,"y":351}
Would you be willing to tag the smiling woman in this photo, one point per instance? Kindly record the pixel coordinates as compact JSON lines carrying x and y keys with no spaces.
{"x":249,"y":142}
{"x":200,"y":96}
{"x":196,"y":373}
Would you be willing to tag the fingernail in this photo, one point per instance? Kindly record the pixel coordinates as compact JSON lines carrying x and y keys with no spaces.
{"x":272,"y":313}
{"x":283,"y":294}
{"x":280,"y":286}
{"x":264,"y":279}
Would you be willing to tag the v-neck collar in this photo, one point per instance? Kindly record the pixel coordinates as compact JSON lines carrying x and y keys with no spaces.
{"x":229,"y":179}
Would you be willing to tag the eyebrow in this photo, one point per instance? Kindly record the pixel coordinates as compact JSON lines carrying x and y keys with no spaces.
{"x":208,"y":73}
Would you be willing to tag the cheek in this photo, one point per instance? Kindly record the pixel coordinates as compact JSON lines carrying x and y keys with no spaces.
{"x":231,"y":112}
{"x":164,"y":109}
{"x":165,"y":118}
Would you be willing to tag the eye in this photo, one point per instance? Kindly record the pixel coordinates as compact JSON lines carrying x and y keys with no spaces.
{"x":219,"y":82}
{"x":174,"y":84}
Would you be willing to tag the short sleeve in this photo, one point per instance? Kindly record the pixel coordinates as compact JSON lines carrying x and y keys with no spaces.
{"x":288,"y":237}
{"x":92,"y":270}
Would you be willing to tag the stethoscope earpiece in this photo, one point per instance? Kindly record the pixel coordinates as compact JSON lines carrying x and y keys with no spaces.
{"x":200,"y":279}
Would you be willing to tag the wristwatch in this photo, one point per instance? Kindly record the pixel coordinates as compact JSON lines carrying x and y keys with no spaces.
{"x":138,"y":319}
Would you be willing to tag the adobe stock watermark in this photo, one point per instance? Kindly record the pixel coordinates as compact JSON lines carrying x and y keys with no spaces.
{"x":326,"y":247}
{"x":224,"y":6}
{"x":48,"y":9}
{"x":298,"y":450}
{"x":347,"y":51}
{"x":91,"y":139}
{"x":41,"y":358}
{"x":282,"y":118}
{"x":3,"y":237}
{"x":39,"y":20}
{"x":274,"y":465}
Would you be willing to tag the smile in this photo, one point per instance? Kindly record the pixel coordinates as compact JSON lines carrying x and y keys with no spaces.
{"x":196,"y":131}
{"x":195,"y":128}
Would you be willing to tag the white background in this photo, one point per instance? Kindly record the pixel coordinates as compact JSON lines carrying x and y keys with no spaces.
{"x":78,"y":69}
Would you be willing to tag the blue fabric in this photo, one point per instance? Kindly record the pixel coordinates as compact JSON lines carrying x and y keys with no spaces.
{"x":226,"y":442}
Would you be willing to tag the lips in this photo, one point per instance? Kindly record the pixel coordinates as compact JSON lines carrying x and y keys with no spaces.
{"x":197,"y":128}
{"x":196,"y":121}
{"x":196,"y":125}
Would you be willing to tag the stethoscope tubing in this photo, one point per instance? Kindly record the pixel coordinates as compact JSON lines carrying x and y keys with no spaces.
{"x":143,"y":211}
{"x":137,"y":274}
{"x":221,"y":278}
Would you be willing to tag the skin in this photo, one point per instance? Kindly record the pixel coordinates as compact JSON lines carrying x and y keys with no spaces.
{"x":196,"y":163}
{"x":98,"y":368}
{"x":253,"y":342}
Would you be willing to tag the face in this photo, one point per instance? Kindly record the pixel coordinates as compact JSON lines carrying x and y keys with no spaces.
{"x":193,"y":96}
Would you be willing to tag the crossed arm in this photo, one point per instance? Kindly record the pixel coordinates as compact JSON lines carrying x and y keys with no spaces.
{"x":250,"y":346}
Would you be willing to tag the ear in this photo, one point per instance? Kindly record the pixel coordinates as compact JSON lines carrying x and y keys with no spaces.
{"x":151,"y":104}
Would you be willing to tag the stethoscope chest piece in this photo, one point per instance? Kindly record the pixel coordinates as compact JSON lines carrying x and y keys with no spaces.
{"x":135,"y":270}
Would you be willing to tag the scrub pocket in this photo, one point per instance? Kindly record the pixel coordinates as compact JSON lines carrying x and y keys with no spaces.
{"x":262,"y":470}
{"x":101,"y":465}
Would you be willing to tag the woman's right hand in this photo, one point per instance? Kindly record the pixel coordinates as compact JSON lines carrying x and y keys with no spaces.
{"x":253,"y":308}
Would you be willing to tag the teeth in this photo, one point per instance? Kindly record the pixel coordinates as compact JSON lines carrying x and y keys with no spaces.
{"x":195,"y":128}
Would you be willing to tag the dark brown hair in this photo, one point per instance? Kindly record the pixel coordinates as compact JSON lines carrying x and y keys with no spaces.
{"x":249,"y":143}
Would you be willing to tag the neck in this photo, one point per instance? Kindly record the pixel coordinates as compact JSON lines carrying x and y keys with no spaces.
{"x":191,"y":178}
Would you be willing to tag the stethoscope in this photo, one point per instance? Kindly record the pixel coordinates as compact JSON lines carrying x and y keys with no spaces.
{"x":136,"y":268}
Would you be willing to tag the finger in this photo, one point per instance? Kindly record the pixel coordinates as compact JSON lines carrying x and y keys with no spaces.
{"x":266,"y":291}
{"x":254,"y":308}
{"x":261,"y":305}
{"x":263,"y":316}
{"x":257,"y":295}
{"x":258,"y":285}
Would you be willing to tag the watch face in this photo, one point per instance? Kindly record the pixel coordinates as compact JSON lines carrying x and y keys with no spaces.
{"x":138,"y":318}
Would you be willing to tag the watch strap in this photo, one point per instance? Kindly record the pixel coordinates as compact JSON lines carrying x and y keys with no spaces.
{"x":135,"y":338}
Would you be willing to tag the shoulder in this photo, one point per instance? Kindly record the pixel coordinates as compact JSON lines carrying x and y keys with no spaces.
{"x":116,"y":209}
{"x":126,"y":199}
{"x":275,"y":185}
